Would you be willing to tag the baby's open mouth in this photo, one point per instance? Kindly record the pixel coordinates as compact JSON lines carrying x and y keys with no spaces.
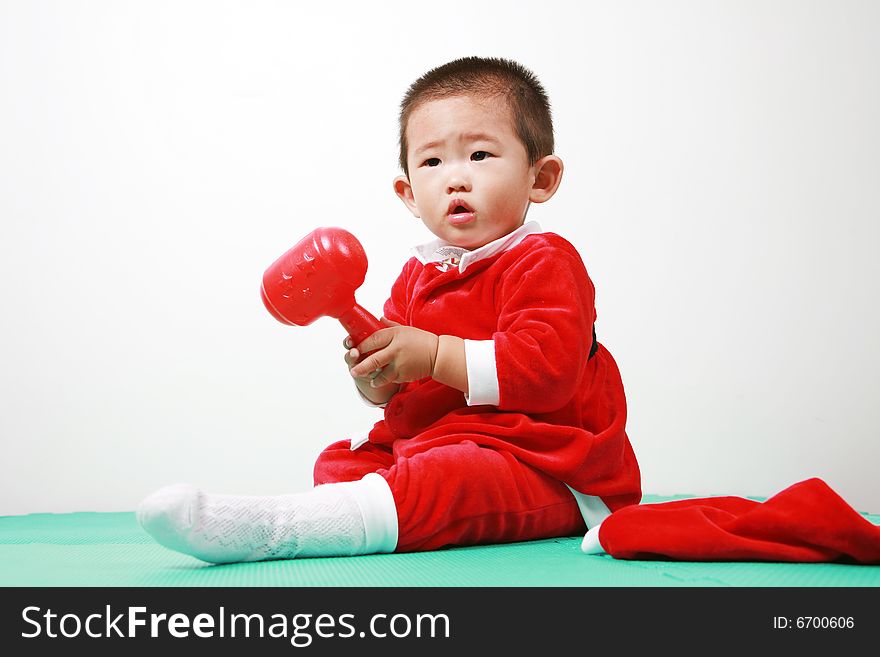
{"x":457,"y":206}
{"x":460,"y":213}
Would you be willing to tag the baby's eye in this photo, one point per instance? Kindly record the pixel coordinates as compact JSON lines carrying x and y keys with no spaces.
{"x":432,"y":162}
{"x":480,"y":156}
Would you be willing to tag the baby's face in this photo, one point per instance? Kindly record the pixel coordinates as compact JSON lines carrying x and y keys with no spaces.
{"x":469,"y":173}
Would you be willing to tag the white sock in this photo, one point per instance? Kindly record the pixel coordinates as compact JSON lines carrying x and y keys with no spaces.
{"x":591,"y":544}
{"x":342,"y":519}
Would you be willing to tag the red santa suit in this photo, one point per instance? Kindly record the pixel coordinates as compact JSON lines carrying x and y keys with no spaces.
{"x":539,"y":447}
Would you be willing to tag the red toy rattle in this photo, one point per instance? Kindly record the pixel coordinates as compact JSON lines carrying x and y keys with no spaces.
{"x":318,"y":277}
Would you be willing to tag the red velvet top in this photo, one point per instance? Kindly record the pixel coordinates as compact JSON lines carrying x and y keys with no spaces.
{"x":559,"y":411}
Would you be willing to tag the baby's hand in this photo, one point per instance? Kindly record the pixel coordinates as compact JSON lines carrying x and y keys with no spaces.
{"x":394,"y":355}
{"x":352,"y":357}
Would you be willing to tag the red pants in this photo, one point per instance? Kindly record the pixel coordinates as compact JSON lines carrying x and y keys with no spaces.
{"x":459,"y":494}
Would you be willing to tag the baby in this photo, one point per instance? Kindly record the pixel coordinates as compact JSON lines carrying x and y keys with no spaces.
{"x":504,"y":418}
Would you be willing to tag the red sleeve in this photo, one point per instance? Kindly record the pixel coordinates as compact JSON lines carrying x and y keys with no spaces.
{"x":397,"y":307}
{"x":544,"y":329}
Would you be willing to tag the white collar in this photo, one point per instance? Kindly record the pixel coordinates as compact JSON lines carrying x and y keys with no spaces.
{"x":427,"y":253}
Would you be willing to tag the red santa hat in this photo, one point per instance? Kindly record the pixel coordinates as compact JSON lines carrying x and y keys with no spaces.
{"x":806,"y":522}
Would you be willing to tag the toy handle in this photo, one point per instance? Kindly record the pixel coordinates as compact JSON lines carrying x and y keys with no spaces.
{"x":359,"y":323}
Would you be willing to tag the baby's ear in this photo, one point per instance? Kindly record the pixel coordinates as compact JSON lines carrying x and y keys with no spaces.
{"x":548,"y":175}
{"x":404,"y":191}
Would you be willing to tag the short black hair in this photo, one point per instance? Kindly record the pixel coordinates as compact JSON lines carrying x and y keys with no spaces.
{"x":487,"y":77}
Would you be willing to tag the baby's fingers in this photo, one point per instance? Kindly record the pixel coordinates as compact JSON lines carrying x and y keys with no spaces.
{"x":383,"y":377}
{"x":351,"y":357}
{"x":369,"y":364}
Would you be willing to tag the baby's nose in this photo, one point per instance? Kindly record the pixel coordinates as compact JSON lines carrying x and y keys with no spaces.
{"x":459,"y":181}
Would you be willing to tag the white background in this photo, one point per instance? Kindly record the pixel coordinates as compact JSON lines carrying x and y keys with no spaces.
{"x":722,"y":169}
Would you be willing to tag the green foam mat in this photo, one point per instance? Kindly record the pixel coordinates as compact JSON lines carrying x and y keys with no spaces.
{"x":110,"y":549}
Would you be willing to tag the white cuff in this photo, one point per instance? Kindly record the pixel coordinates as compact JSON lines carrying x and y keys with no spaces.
{"x":357,"y":441}
{"x":376,"y":503}
{"x":482,"y":373}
